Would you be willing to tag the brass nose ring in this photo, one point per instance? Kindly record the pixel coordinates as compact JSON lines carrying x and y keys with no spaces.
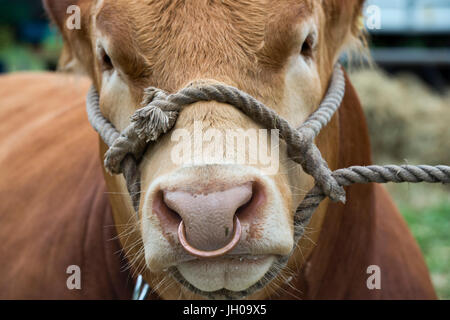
{"x":210,"y":254}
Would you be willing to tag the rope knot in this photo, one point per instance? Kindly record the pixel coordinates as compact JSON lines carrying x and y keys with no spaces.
{"x":151,"y":121}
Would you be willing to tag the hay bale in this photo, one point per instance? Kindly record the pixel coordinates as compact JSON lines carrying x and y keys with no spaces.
{"x":408,"y":122}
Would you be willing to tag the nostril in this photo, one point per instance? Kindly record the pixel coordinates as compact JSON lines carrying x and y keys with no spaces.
{"x":249,"y":211}
{"x":208,"y":217}
{"x":169,"y":219}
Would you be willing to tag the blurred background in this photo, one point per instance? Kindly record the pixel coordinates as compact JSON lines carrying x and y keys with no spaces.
{"x":27,"y":42}
{"x":405,"y":93}
{"x":406,"y":98}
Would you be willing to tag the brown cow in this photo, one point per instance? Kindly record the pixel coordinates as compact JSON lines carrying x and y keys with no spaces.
{"x":287,"y":50}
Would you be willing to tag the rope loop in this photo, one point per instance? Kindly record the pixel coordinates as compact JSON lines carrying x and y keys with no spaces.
{"x":160,"y":111}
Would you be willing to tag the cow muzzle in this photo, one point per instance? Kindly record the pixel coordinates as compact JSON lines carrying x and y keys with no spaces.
{"x":208,"y":224}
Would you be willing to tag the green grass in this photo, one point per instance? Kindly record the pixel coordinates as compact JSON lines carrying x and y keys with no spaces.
{"x":431,"y":228}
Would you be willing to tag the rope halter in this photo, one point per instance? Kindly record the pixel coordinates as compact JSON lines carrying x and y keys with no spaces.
{"x":159,"y":114}
{"x":161,"y":110}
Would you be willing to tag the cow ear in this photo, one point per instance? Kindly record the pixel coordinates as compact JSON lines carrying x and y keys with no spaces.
{"x":72,"y":19}
{"x":344,"y":22}
{"x":58,"y":10}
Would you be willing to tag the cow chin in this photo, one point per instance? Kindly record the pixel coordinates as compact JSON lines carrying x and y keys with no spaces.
{"x":231,"y":273}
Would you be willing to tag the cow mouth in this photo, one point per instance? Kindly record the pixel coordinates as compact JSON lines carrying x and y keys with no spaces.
{"x":274,"y":270}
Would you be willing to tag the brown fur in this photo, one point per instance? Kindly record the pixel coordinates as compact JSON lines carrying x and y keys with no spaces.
{"x":55,"y":213}
{"x":53,"y":206}
{"x":248,"y":44}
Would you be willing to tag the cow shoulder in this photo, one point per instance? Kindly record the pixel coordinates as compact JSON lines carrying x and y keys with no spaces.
{"x":54,"y":208}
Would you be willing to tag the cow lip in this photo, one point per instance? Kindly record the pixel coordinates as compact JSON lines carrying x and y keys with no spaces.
{"x":270,"y":275}
{"x":234,"y":274}
{"x":232,"y":257}
{"x":243,"y":257}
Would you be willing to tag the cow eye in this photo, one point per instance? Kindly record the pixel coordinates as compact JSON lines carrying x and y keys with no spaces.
{"x":308,"y":46}
{"x":105,"y":60}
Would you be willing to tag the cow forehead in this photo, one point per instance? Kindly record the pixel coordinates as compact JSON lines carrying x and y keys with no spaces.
{"x":203,"y":38}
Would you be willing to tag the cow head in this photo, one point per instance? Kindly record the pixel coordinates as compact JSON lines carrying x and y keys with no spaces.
{"x":282,"y":53}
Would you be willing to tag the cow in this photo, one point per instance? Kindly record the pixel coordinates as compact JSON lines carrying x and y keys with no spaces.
{"x":60,"y":208}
